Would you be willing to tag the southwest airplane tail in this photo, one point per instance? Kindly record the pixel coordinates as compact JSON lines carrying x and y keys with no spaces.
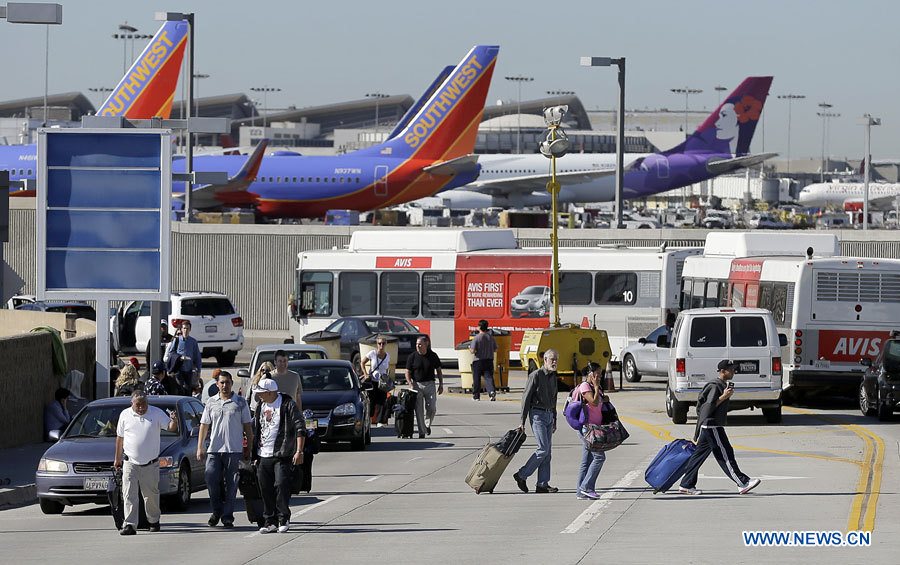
{"x":148,"y":88}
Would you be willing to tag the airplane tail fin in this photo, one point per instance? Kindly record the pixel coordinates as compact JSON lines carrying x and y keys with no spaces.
{"x":228,"y":143}
{"x":148,"y":88}
{"x":730,"y":128}
{"x":414,"y":109}
{"x":446,"y":125}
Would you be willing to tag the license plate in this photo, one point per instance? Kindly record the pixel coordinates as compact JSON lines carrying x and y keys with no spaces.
{"x":311,"y":424}
{"x":323,"y":422}
{"x":96,"y":483}
{"x":211,"y":329}
{"x":747,"y":367}
{"x":822,"y":364}
{"x":403,"y":345}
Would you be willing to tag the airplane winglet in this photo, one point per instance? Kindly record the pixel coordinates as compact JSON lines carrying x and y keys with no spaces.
{"x":464,"y":164}
{"x":720,"y":166}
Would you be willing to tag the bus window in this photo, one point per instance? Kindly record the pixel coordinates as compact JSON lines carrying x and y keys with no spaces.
{"x":574,"y":288}
{"x":708,"y":331}
{"x":752,"y":297}
{"x":400,"y":294}
{"x":765,"y":296}
{"x":779,"y":302}
{"x":615,"y":288}
{"x":685,"y":303}
{"x":356,"y":294}
{"x":438,"y":295}
{"x":737,"y":295}
{"x":712,"y":294}
{"x":723,"y":294}
{"x":698,"y":294}
{"x":315,"y":293}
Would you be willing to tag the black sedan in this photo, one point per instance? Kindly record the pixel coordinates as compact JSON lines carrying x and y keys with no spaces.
{"x":355,"y":328}
{"x":334,"y":402}
{"x":879,"y":391}
{"x":78,"y":467}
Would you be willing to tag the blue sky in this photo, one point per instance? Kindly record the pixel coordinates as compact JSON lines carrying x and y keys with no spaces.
{"x":325,"y":52}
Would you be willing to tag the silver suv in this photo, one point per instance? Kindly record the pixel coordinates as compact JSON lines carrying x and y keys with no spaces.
{"x":215,"y":323}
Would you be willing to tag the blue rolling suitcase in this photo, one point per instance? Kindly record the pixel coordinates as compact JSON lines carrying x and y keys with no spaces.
{"x":668,"y":465}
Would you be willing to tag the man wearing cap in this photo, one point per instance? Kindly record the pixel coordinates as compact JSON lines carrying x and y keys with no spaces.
{"x":154,"y":385}
{"x":226,"y":420}
{"x":712,"y":415}
{"x":280,"y":431}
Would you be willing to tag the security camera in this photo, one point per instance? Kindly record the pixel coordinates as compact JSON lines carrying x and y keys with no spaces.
{"x":553,"y":115}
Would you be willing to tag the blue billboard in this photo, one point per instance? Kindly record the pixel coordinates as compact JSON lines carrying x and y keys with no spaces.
{"x":103,"y":213}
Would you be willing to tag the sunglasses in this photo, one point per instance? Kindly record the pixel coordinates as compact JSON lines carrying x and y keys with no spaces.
{"x":379,"y":343}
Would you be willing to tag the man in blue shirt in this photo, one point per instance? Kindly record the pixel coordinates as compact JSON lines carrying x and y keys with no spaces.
{"x":184,"y":354}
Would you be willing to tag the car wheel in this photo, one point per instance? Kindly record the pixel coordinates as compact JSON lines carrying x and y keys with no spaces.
{"x":181,"y":500}
{"x":865,"y":406}
{"x":50,"y":506}
{"x":668,"y":402}
{"x":772,"y":415}
{"x":631,"y":372}
{"x":679,"y":410}
{"x":226,"y":358}
{"x":358,"y":444}
{"x":355,"y":361}
{"x":368,"y":436}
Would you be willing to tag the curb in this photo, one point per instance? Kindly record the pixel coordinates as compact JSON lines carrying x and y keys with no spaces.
{"x":18,"y":496}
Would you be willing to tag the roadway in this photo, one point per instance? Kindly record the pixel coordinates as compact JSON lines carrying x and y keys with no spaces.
{"x":824,"y":468}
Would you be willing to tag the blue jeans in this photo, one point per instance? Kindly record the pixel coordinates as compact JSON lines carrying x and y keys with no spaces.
{"x":591,"y":463}
{"x":222,"y":467}
{"x":542,"y":426}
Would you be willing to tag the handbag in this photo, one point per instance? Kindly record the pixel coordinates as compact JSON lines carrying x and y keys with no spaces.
{"x":385,"y":384}
{"x":575,"y":413}
{"x":606,"y":436}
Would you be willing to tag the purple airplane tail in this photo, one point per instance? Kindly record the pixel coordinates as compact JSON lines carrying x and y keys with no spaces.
{"x":730,"y":128}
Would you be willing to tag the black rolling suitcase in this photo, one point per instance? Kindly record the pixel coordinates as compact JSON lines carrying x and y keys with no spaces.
{"x":115,"y":496}
{"x":248,"y":484}
{"x":301,"y":475}
{"x":405,"y":413}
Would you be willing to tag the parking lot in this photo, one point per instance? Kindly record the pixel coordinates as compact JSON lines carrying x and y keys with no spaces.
{"x":825,"y":468}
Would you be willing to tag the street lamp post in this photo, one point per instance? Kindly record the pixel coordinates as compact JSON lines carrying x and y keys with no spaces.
{"x":687,"y":93}
{"x":720,"y":89}
{"x":101,"y":90}
{"x":377,"y":96}
{"x":126,"y":32}
{"x":620,"y":127}
{"x":35,"y":13}
{"x":868,"y":121}
{"x":519,"y":79}
{"x":789,"y":98}
{"x":265,"y":90}
{"x":560,"y":92}
{"x":198,"y":77}
{"x":825,"y":114}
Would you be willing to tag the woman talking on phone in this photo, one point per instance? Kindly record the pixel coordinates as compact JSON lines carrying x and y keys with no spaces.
{"x":591,"y":461}
{"x":712,"y":415}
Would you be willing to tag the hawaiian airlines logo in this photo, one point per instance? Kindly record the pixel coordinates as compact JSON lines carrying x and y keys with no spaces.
{"x":732,"y":116}
{"x":403,"y":263}
{"x":443,"y":102}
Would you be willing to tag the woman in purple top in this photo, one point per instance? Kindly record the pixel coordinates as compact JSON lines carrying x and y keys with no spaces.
{"x":591,"y":394}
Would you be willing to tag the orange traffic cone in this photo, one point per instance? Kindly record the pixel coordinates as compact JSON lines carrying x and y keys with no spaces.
{"x":609,"y":383}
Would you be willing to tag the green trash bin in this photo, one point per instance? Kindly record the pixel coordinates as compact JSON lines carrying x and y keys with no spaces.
{"x":465,"y":365}
{"x":331,"y":341}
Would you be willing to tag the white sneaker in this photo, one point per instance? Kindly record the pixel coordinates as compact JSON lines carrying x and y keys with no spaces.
{"x":749,"y":486}
{"x":284,"y":527}
{"x":269,"y":529}
{"x":691,"y":491}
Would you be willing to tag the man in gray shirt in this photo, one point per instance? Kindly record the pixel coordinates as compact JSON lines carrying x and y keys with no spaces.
{"x":483,"y":346}
{"x":539,"y":406}
{"x":226,"y":419}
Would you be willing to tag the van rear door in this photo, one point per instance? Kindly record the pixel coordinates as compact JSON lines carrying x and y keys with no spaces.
{"x":750,"y":349}
{"x":707,"y":345}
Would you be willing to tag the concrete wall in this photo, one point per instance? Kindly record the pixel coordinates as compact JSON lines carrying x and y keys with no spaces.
{"x":27,"y":382}
{"x":14,"y":322}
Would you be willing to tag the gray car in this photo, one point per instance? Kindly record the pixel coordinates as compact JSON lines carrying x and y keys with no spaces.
{"x":78,"y":467}
{"x":649,"y":356}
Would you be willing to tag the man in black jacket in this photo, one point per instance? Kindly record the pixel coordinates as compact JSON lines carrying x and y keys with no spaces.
{"x":712,"y":415}
{"x":539,"y":406}
{"x":280,"y":431}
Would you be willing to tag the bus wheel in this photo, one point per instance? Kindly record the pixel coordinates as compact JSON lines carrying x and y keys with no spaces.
{"x":631,"y":372}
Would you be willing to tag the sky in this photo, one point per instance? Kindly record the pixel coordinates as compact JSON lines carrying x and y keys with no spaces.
{"x":325,"y":52}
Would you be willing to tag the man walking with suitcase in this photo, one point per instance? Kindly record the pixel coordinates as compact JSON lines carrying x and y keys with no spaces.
{"x":712,"y":410}
{"x":539,"y":406}
{"x":421,"y":368}
{"x":225,"y":419}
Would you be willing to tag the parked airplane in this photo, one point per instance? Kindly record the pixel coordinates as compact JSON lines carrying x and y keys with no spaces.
{"x":882,"y":196}
{"x":720,"y":145}
{"x":432,"y":152}
{"x":146,"y":90}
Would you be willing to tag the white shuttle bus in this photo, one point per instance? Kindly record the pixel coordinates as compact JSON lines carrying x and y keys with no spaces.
{"x":444,"y":281}
{"x":835,"y":310}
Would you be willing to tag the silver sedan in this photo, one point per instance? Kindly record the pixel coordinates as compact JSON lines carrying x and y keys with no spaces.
{"x":649,"y":356}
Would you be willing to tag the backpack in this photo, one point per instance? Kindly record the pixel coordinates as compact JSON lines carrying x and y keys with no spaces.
{"x":575,"y":411}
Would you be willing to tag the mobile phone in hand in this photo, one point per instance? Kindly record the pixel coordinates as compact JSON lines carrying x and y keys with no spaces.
{"x":730,"y":384}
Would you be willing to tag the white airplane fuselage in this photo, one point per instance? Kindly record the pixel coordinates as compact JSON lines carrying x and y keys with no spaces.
{"x":822,"y":195}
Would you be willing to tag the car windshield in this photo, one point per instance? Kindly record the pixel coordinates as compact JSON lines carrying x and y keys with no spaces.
{"x":291,"y":355}
{"x":892,"y":357}
{"x":534,"y":290}
{"x":101,"y":421}
{"x":206,"y":307}
{"x":317,"y":379}
{"x":389,"y":325}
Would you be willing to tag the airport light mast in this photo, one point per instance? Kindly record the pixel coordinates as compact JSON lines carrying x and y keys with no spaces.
{"x":868,"y":121}
{"x":519,"y":79}
{"x":265,"y":90}
{"x":790,"y":98}
{"x":825,"y":114}
{"x":687,"y":93}
{"x":378,"y":97}
{"x":720,"y":89}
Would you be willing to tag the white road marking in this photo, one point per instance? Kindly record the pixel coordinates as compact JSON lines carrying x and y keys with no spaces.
{"x":760,"y":477}
{"x":304,"y":511}
{"x":375,"y":478}
{"x":447,"y":431}
{"x":413,"y":459}
{"x":594,"y":509}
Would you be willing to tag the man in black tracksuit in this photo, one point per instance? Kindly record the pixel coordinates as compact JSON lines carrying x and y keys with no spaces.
{"x":712,"y":411}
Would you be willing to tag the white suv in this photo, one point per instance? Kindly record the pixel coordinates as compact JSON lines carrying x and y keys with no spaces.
{"x":215,"y":324}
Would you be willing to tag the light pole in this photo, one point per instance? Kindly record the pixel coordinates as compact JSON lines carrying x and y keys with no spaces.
{"x":126,"y":32}
{"x":519,"y":79}
{"x":265,"y":90}
{"x":720,"y":89}
{"x":868,"y":121}
{"x":687,"y":93}
{"x":101,"y":90}
{"x":620,"y":127}
{"x":34,"y":13}
{"x":789,"y":98}
{"x":825,"y":114}
{"x":377,"y":96}
{"x":560,"y":92}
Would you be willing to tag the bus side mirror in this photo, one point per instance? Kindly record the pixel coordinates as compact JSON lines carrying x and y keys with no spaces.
{"x":782,"y":340}
{"x":865,"y":362}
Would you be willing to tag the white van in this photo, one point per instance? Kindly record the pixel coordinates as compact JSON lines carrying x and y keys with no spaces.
{"x":704,"y":336}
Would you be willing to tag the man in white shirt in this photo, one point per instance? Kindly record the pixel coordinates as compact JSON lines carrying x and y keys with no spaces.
{"x":137,"y":435}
